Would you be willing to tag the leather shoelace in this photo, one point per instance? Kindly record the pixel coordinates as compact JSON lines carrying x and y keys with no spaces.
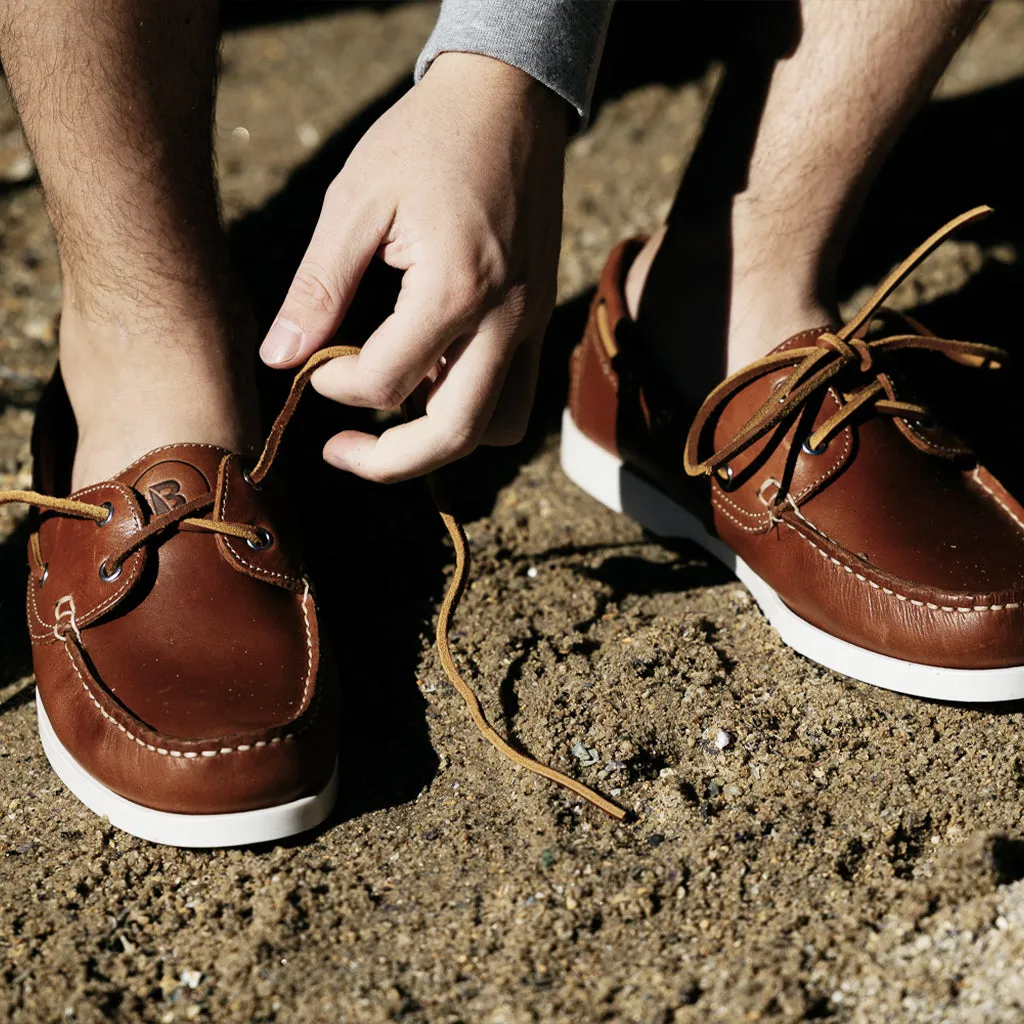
{"x":814,"y":366}
{"x":185,"y":516}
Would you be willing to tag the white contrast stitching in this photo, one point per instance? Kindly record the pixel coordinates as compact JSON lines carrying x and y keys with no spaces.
{"x":995,"y":497}
{"x":68,"y":612}
{"x":242,"y":747}
{"x":168,"y":447}
{"x":228,"y":541}
{"x":1008,"y":606}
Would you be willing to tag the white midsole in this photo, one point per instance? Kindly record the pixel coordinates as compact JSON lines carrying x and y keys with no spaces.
{"x":184,"y":830}
{"x":606,"y":478}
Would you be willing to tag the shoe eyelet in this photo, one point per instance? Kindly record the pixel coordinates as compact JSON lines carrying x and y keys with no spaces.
{"x":110,"y":513}
{"x":724,"y":477}
{"x":106,"y":576}
{"x":805,"y":447}
{"x":264,"y":541}
{"x":45,"y":576}
{"x":249,"y":480}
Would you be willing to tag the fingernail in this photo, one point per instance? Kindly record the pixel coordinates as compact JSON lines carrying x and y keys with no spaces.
{"x":281,"y":342}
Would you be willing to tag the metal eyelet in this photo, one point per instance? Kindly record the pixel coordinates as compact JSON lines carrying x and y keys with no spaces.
{"x":110,"y":513}
{"x":264,"y":539}
{"x":109,"y":577}
{"x":45,"y":576}
{"x":725,"y":481}
{"x":805,"y":447}
{"x":249,"y":480}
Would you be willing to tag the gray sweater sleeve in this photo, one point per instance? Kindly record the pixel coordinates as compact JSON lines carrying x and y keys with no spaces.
{"x":557,"y":42}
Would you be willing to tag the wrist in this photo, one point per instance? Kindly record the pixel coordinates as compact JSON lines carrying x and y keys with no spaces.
{"x":512,"y":84}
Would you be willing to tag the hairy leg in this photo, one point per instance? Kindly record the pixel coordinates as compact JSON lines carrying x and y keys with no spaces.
{"x":116,"y":98}
{"x":750,"y":250}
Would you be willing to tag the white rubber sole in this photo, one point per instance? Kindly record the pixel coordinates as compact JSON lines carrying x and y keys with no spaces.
{"x":184,"y":830}
{"x":606,"y":478}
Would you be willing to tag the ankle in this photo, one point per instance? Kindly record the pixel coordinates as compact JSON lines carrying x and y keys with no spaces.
{"x":712,"y":307}
{"x":135,"y":385}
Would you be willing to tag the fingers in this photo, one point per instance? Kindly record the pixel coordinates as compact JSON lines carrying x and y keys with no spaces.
{"x":458,"y":410}
{"x":437,"y":305}
{"x":345,"y":239}
{"x":512,"y":412}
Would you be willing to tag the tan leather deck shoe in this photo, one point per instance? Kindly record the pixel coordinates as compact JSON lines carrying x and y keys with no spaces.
{"x":871,"y":538}
{"x":182,"y":690}
{"x":181,"y":687}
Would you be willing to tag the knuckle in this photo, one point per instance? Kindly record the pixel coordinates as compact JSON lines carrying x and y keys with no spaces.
{"x":311,"y":289}
{"x":506,"y":435}
{"x":337,"y":194}
{"x":382,"y":390}
{"x":461,"y":439}
{"x":477,"y":283}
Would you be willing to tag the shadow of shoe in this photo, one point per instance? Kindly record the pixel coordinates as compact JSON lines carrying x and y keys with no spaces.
{"x":15,"y":647}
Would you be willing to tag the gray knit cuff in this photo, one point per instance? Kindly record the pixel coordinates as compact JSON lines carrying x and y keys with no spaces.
{"x":556,"y":42}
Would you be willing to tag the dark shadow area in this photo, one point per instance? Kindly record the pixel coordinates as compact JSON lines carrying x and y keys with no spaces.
{"x":959,"y":153}
{"x":650,"y":41}
{"x":631,"y":574}
{"x":15,"y":648}
{"x":248,"y":13}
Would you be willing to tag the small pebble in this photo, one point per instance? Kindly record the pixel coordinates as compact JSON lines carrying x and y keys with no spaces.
{"x":722,"y":739}
{"x":191,"y":978}
{"x":532,"y":572}
{"x":584,"y":754}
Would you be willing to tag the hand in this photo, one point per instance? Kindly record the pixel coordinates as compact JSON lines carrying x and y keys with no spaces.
{"x":459,"y":185}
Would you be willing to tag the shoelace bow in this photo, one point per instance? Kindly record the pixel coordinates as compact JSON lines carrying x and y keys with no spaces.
{"x":814,"y":366}
{"x":185,"y":517}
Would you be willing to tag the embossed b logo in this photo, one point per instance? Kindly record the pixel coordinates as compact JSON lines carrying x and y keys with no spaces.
{"x":165,"y":495}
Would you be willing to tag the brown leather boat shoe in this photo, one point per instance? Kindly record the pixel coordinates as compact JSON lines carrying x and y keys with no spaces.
{"x":181,"y":687}
{"x":871,"y":538}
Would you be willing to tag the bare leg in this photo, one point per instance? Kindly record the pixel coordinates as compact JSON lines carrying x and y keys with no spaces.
{"x":116,"y":97}
{"x":749,"y":254}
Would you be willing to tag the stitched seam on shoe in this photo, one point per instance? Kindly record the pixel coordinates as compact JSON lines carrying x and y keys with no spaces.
{"x":132,"y":574}
{"x":167,"y":751}
{"x":837,"y":465}
{"x":721,"y":508}
{"x":1007,"y":606}
{"x":240,"y":748}
{"x":760,"y":517}
{"x":167,"y":448}
{"x":309,"y":647}
{"x":230,"y":547}
{"x":765,"y":520}
{"x":931,"y":444}
{"x":995,"y":497}
{"x":96,"y":612}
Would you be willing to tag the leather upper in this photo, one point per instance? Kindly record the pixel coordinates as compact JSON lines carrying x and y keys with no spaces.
{"x":192,"y":679}
{"x":912,"y":550}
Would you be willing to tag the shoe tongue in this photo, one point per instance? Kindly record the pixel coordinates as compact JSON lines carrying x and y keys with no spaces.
{"x":169,"y":477}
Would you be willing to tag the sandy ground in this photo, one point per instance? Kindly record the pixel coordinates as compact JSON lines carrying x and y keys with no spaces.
{"x":841,"y":853}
